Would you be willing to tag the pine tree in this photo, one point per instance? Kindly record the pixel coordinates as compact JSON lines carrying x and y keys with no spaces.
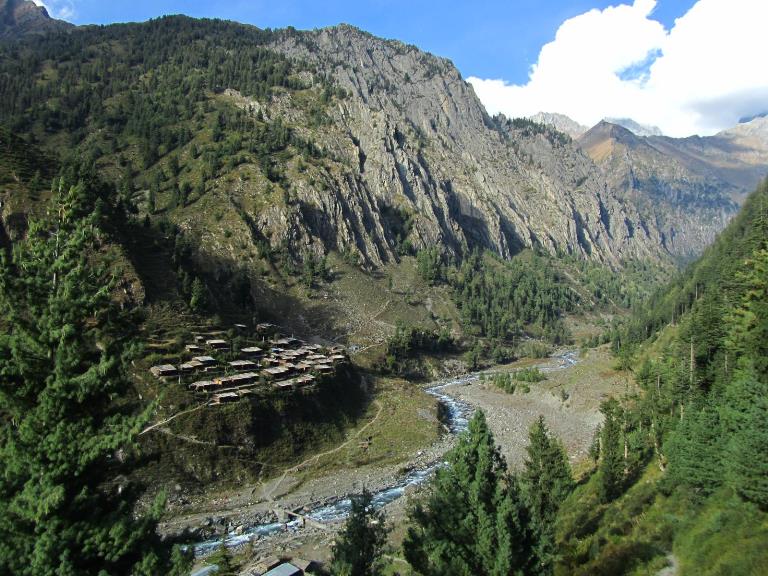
{"x":746,"y":410}
{"x":746,"y":400}
{"x":749,"y":336}
{"x":63,"y":343}
{"x":360,"y":544}
{"x":547,"y":481}
{"x":611,"y":467}
{"x":474,"y":519}
{"x":223,"y":560}
{"x":695,"y":451}
{"x":199,"y":298}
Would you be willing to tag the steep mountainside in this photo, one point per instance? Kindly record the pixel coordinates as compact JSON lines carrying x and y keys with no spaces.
{"x":21,"y":17}
{"x":698,"y":429}
{"x":368,"y":147}
{"x":425,"y":146}
{"x":688,"y":187}
{"x":403,"y":155}
{"x":738,"y":156}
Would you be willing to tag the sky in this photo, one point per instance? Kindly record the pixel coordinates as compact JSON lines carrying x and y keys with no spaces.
{"x":686,"y":66}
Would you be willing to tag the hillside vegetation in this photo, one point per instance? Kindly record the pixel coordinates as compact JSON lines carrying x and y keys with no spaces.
{"x":694,"y":467}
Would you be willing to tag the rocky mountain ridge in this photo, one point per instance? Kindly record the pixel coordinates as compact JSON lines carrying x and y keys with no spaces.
{"x":560,"y":122}
{"x":21,"y":17}
{"x":690,"y":187}
{"x":431,"y":149}
{"x":635,"y":127}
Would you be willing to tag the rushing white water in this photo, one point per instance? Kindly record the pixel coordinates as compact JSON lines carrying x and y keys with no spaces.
{"x":457,"y":414}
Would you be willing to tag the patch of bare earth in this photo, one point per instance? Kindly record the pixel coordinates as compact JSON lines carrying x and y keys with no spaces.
{"x":569,"y":399}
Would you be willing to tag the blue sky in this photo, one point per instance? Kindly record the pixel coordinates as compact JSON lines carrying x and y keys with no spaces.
{"x":487,"y":39}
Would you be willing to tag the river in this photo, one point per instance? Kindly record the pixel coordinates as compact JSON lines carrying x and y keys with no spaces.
{"x":457,"y":414}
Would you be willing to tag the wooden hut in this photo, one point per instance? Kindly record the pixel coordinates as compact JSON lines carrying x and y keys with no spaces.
{"x":217,"y":344}
{"x":164,"y":371}
{"x":240,"y":365}
{"x":225,"y":397}
{"x":252,"y":352}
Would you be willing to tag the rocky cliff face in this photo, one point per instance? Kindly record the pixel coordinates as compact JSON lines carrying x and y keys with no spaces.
{"x":688,"y":188}
{"x":21,"y":17}
{"x":417,"y":142}
{"x":409,"y":158}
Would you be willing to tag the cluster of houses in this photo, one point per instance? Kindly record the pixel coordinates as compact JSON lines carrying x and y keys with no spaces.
{"x":285,"y":363}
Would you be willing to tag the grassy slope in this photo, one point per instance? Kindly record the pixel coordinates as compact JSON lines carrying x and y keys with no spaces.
{"x":724,"y":536}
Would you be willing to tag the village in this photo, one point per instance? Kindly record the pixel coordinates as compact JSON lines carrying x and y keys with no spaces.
{"x":223,"y":371}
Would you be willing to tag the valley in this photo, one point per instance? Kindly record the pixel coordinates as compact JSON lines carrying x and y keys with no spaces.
{"x":273,"y":295}
{"x":317,"y":489}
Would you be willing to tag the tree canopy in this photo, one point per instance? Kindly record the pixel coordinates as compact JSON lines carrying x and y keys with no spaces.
{"x":66,"y":506}
{"x":474,"y":519}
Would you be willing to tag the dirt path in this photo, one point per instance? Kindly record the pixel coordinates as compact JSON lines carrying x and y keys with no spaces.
{"x":193,"y":440}
{"x":268,"y":495}
{"x":164,"y":422}
{"x":671,"y":569}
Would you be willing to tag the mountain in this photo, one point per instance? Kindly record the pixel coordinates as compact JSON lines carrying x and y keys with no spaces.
{"x":431,"y":149}
{"x":335,"y":140}
{"x":688,"y":187}
{"x":560,"y":122}
{"x":21,"y":17}
{"x":569,"y":126}
{"x":635,"y":127}
{"x":745,"y":119}
{"x":375,"y":147}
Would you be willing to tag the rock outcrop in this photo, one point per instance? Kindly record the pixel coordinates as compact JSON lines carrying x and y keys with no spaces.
{"x":560,"y":122}
{"x":21,"y":17}
{"x":418,"y":142}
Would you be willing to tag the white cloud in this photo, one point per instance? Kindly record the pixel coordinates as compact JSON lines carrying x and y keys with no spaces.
{"x":61,"y":9}
{"x":697,"y":78}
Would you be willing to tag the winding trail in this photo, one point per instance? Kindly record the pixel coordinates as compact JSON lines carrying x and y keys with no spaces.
{"x":269,"y":495}
{"x":193,"y":440}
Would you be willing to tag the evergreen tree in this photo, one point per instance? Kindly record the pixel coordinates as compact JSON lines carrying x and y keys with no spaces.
{"x":199,"y":299}
{"x":746,"y":409}
{"x":361,"y":542}
{"x":746,"y":400}
{"x":749,"y":335}
{"x":695,"y":451}
{"x":63,"y":342}
{"x":474,"y":519}
{"x":611,"y":467}
{"x":223,"y":560}
{"x":429,"y":264}
{"x":547,"y":481}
